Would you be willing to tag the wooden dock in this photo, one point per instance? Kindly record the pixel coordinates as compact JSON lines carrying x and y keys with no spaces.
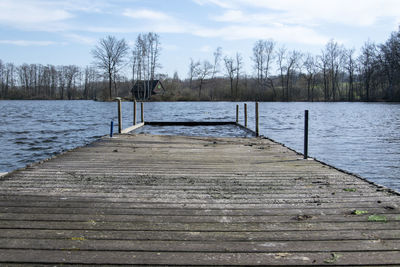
{"x":173,"y":200}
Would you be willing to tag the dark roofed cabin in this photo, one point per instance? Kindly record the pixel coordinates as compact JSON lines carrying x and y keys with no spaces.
{"x":141,"y":88}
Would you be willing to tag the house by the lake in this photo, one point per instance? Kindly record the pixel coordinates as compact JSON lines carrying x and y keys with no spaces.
{"x":145,"y":89}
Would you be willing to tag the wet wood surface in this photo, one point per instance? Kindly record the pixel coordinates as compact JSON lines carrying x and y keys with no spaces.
{"x":173,"y":200}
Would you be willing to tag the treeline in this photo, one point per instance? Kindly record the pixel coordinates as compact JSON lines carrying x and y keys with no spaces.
{"x":336,"y":74}
{"x":36,"y":81}
{"x":278,"y":74}
{"x":102,"y":80}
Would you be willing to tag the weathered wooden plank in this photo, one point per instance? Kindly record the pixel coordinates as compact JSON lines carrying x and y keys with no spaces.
{"x":103,"y":217}
{"x":199,"y":258}
{"x":251,"y":206}
{"x":327,"y":235}
{"x":213,"y":204}
{"x":81,"y":243}
{"x":206,"y":226}
{"x":217,"y":195}
{"x":54,"y":208}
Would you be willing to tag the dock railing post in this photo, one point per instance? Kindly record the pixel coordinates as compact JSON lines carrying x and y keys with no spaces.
{"x":237,"y":113}
{"x":305,"y":134}
{"x":111,"y":129}
{"x":245,"y":115}
{"x":119,"y":116}
{"x":141,"y":111}
{"x":257,"y":128}
{"x":134,"y":112}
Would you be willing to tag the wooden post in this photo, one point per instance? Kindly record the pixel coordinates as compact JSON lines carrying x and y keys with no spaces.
{"x":111,"y":129}
{"x":245,"y":115}
{"x":237,"y":113}
{"x":305,"y":134}
{"x":134,"y":112}
{"x":257,"y":128}
{"x":141,"y":111}
{"x":119,"y":116}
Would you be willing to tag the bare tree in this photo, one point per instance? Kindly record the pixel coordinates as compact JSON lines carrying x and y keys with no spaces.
{"x":154,"y":51}
{"x":281,"y":56}
{"x":61,"y":70}
{"x":323,"y":64}
{"x":109,"y":56}
{"x":89,"y":81}
{"x":310,"y":67}
{"x":139,"y":53}
{"x":145,"y":60}
{"x":350,"y":67}
{"x":367,"y":61}
{"x":203,"y":72}
{"x":193,"y":70}
{"x":335,"y":56}
{"x":292,"y":62}
{"x":230,"y":71}
{"x":217,"y":58}
{"x":262,"y":57}
{"x":390,"y":61}
{"x":54,"y":81}
{"x":9,"y":81}
{"x":238,"y":69}
{"x":71,"y":73}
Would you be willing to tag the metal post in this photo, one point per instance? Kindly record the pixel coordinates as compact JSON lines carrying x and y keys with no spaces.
{"x":257,"y":128}
{"x":237,"y":113}
{"x":119,"y":116}
{"x":245,"y":115}
{"x":142,"y":112}
{"x":134,"y":112}
{"x":111,"y":129}
{"x":306,"y":134}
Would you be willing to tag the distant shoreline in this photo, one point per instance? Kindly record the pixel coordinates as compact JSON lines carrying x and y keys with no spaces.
{"x":233,"y":101}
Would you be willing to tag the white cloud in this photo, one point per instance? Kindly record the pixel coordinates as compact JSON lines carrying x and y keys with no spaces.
{"x":157,"y":21}
{"x":146,"y":14}
{"x":354,"y":12}
{"x":237,"y":25}
{"x":239,"y":17}
{"x":29,"y":14}
{"x":231,"y":16}
{"x":295,"y":34}
{"x":80,"y":39}
{"x":220,"y":3}
{"x":145,"y":27}
{"x":27,"y":43}
{"x":101,"y":29}
{"x":88,"y":6}
{"x":46,"y":15}
{"x":206,"y":49}
{"x":294,"y":20}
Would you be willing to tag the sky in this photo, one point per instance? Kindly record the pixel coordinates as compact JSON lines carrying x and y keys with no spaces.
{"x":63,"y":32}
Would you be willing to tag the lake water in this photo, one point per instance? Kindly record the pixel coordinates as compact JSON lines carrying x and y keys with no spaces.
{"x":363,"y":138}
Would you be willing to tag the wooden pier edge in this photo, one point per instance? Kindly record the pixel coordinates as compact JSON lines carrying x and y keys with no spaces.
{"x":383,"y":187}
{"x":243,"y":127}
{"x":132,"y":128}
{"x":229,"y":201}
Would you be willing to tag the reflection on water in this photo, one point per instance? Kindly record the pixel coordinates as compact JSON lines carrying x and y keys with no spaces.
{"x":359,"y":137}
